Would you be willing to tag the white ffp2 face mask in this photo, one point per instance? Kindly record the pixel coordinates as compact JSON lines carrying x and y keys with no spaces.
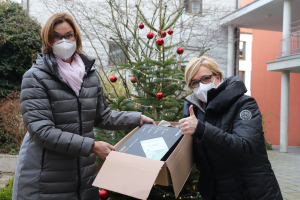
{"x":64,"y":48}
{"x":201,"y":91}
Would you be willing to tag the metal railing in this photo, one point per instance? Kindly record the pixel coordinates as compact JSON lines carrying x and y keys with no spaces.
{"x":293,"y":40}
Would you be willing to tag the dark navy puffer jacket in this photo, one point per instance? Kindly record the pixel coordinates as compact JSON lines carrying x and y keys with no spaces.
{"x":55,"y":160}
{"x":229,"y":146}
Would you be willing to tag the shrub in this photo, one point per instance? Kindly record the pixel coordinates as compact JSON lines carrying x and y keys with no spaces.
{"x":20,"y":42}
{"x":6,"y":191}
{"x":11,"y":121}
{"x":264,"y":124}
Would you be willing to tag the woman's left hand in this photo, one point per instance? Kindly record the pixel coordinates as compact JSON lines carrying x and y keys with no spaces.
{"x":188,"y":125}
{"x":146,"y":120}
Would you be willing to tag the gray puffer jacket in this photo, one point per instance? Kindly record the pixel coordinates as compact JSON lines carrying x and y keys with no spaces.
{"x":55,"y":160}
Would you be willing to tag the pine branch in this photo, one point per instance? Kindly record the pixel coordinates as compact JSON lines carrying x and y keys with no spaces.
{"x":147,"y":45}
{"x":154,"y":62}
{"x":174,"y":45}
{"x":163,"y":19}
{"x":122,"y":48}
{"x":202,"y":53}
{"x":144,"y":19}
{"x":175,"y":19}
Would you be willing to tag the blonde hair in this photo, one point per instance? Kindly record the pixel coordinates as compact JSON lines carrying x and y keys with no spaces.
{"x":194,"y":65}
{"x":48,"y":32}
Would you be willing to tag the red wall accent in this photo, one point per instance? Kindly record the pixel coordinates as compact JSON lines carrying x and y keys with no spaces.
{"x":266,"y":86}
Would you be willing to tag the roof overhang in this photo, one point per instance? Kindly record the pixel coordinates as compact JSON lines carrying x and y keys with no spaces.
{"x":262,"y":15}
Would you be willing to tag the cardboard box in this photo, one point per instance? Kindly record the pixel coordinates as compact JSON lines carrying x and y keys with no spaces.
{"x":152,"y":141}
{"x":134,"y":175}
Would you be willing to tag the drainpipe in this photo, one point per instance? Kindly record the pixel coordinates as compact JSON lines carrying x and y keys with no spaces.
{"x":230,"y":51}
{"x":285,"y":78}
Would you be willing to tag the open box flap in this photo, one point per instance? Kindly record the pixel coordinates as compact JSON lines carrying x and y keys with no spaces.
{"x":128,"y":174}
{"x":180,"y":163}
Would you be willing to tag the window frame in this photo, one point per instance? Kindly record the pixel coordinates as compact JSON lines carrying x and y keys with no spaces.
{"x":189,"y":6}
{"x":243,"y":51}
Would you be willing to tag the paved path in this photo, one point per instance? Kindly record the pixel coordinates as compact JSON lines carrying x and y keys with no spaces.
{"x":287,"y":170}
{"x":285,"y":165}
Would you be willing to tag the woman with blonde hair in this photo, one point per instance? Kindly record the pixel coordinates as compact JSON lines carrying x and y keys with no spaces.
{"x":61,"y":101}
{"x":228,"y":138}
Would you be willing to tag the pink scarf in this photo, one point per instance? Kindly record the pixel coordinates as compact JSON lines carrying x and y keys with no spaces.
{"x":72,"y":73}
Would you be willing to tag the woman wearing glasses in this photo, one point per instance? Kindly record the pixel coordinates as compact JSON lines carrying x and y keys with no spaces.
{"x":61,"y":101}
{"x":228,"y":138}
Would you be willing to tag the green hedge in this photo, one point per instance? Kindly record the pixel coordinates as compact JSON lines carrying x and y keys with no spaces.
{"x":20,"y":42}
{"x":6,"y":191}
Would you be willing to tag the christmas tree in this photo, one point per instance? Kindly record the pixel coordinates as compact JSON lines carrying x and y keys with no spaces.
{"x":157,"y":77}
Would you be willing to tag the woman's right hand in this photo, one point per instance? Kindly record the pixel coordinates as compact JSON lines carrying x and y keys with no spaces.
{"x":102,"y":149}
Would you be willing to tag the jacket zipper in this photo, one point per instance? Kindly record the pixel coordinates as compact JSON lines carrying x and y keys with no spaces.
{"x":80,"y":123}
{"x":78,"y":162}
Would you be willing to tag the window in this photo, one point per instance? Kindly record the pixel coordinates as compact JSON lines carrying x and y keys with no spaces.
{"x":116,"y":55}
{"x":242,"y":51}
{"x":193,"y":6}
{"x":242,"y":75}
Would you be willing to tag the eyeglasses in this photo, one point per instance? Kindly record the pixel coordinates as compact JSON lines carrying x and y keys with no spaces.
{"x":205,"y":79}
{"x":69,"y":36}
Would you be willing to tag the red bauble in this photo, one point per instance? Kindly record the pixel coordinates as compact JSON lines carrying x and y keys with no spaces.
{"x":150,"y":35}
{"x":133,"y":80}
{"x":160,"y":41}
{"x":160,"y":95}
{"x":163,"y":34}
{"x":170,"y":31}
{"x":206,"y":56}
{"x":113,"y":78}
{"x":103,"y":194}
{"x":141,"y":25}
{"x":180,"y":50}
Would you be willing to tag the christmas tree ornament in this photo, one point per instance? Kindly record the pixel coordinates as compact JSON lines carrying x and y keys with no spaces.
{"x":113,"y":78}
{"x":141,"y":25}
{"x":160,"y":95}
{"x":150,"y":35}
{"x":180,"y":50}
{"x":206,"y":56}
{"x":103,"y":194}
{"x":133,"y":80}
{"x":160,"y":41}
{"x":163,"y":34}
{"x":170,"y":32}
